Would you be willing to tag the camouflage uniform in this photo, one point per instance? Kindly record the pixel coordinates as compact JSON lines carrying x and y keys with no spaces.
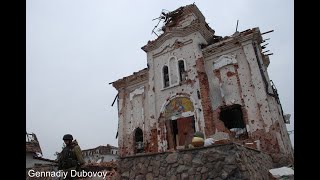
{"x":70,"y":158}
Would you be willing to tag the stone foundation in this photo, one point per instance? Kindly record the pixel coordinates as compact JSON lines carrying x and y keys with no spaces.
{"x":228,"y":161}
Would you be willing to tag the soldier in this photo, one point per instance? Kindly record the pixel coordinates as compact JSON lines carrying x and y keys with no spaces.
{"x":70,"y":157}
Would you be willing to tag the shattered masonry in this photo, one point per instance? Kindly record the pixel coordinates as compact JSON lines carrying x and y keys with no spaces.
{"x":197,"y":81}
{"x":32,"y":144}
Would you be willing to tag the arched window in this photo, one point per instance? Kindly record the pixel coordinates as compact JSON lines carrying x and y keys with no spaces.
{"x":182,"y":71}
{"x":138,"y":137}
{"x":165,"y":73}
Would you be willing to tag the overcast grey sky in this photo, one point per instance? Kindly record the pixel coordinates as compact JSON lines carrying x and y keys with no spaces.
{"x":76,"y":47}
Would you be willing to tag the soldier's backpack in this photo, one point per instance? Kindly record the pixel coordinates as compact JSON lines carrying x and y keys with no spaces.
{"x":68,"y":158}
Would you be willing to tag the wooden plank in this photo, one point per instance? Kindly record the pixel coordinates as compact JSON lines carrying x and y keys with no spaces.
{"x":185,"y":130}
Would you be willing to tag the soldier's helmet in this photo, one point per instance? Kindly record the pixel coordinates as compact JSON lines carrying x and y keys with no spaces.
{"x":67,"y":137}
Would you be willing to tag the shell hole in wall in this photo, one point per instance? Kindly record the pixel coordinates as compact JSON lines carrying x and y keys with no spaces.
{"x":232,"y":117}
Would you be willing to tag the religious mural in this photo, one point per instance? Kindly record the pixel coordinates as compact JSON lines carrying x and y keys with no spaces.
{"x":177,"y":106}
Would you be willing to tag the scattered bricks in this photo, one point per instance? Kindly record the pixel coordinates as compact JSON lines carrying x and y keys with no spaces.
{"x":222,"y":141}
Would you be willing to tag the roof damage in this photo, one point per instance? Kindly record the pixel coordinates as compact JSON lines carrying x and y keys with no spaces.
{"x":32,"y":144}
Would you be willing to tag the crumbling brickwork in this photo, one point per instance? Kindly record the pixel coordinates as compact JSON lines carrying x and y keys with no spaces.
{"x":205,"y":94}
{"x":223,"y":79}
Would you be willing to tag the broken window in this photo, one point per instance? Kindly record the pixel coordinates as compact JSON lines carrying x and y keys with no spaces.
{"x":182,"y":71}
{"x":232,"y":118}
{"x":138,"y":137}
{"x":165,"y":76}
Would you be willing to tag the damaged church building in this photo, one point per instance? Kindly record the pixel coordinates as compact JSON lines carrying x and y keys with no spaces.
{"x":198,"y":81}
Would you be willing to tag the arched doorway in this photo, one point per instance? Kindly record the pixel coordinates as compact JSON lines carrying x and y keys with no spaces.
{"x":180,"y":122}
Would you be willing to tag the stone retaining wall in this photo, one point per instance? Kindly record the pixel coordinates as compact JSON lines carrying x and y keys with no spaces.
{"x":229,"y":161}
